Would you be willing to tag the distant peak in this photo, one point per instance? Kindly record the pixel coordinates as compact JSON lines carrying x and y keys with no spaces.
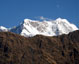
{"x":27,"y":20}
{"x":58,"y":19}
{"x":1,"y":27}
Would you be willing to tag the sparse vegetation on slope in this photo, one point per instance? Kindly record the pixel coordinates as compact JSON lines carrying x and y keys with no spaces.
{"x":16,"y":49}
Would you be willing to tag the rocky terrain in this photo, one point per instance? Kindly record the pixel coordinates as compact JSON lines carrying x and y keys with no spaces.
{"x":16,"y":49}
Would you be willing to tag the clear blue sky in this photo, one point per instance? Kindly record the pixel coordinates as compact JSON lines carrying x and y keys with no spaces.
{"x":12,"y":12}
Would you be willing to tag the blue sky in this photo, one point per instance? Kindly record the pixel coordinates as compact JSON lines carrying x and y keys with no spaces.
{"x":13,"y":12}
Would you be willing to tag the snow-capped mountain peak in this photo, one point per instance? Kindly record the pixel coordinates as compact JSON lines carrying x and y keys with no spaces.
{"x":27,"y":20}
{"x":48,"y":28}
{"x":3,"y":28}
{"x":56,"y":27}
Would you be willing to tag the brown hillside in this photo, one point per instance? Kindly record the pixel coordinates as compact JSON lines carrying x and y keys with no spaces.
{"x":16,"y":49}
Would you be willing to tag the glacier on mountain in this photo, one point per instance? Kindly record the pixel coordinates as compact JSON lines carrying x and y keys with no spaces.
{"x":31,"y":28}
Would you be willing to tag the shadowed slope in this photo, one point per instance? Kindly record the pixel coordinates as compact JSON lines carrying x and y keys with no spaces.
{"x":16,"y":49}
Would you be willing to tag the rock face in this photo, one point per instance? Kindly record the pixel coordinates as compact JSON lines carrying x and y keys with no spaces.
{"x":16,"y":49}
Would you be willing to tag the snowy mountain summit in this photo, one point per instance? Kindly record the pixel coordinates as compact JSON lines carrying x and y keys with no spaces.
{"x":31,"y":28}
{"x":3,"y":29}
{"x":56,"y":27}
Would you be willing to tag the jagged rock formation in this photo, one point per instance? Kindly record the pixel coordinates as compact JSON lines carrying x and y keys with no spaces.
{"x":16,"y":49}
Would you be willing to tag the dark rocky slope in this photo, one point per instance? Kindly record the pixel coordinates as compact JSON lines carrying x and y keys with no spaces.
{"x":16,"y":49}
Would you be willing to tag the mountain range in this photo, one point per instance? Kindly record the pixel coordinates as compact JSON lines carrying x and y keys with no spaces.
{"x":40,"y":42}
{"x":29,"y":28}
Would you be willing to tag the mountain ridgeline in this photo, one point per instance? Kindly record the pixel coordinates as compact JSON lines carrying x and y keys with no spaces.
{"x":30,"y":28}
{"x":62,"y":49}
